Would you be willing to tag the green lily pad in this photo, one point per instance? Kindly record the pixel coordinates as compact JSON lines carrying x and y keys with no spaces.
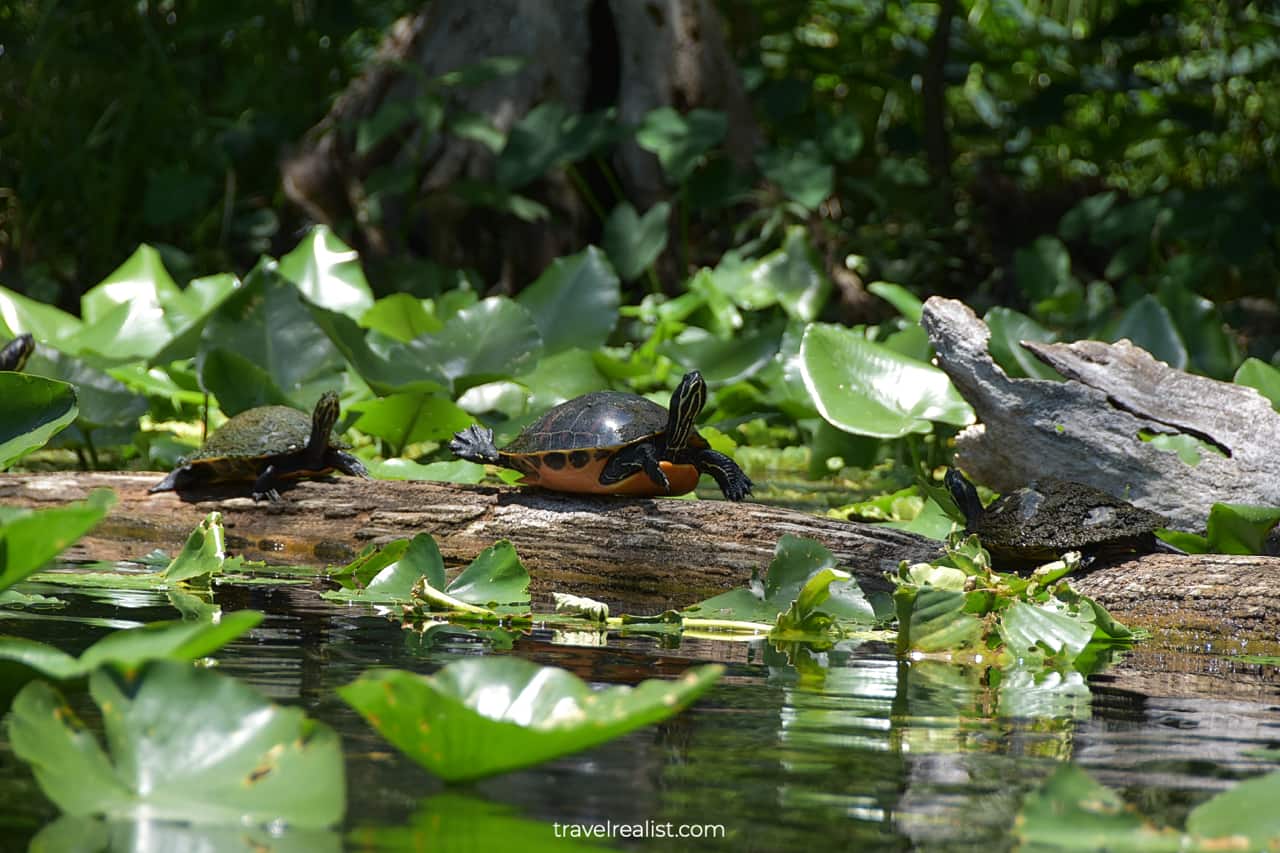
{"x":1071,"y":811}
{"x":129,"y":649}
{"x":123,"y":314}
{"x":1025,"y":627}
{"x":327,"y":272}
{"x":632,"y":241}
{"x":185,"y":744}
{"x":680,"y":140}
{"x":402,"y":316}
{"x":30,"y":538}
{"x":796,"y":562}
{"x":482,"y":716}
{"x":574,"y":302}
{"x":36,"y":409}
{"x":931,"y":620}
{"x":1248,"y":810}
{"x":1261,"y":376}
{"x":868,"y":389}
{"x":78,"y":833}
{"x":204,"y":553}
{"x":410,"y":417}
{"x":457,"y":471}
{"x":793,"y":276}
{"x":495,"y":576}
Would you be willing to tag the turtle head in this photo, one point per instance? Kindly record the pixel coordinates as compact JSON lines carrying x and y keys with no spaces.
{"x":14,"y":355}
{"x":323,"y":420}
{"x":686,"y":402}
{"x":965,"y":494}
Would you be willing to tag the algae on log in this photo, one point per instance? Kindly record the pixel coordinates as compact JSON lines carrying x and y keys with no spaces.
{"x":639,"y":554}
{"x":1090,"y":428}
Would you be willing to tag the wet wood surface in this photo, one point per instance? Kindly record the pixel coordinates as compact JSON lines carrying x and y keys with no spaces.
{"x":640,"y":555}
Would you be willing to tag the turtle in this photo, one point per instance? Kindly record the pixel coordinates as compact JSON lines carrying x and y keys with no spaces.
{"x":1044,"y":519}
{"x":610,"y":442}
{"x":14,"y":355}
{"x":266,"y":445}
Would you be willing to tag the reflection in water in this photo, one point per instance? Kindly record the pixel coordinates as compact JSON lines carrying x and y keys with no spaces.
{"x":848,"y":748}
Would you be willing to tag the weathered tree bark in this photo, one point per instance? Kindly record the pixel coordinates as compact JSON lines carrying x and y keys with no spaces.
{"x":638,"y":554}
{"x":584,"y":54}
{"x":1090,"y":428}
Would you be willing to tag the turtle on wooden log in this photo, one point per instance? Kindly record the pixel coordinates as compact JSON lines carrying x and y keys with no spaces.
{"x":1091,"y":428}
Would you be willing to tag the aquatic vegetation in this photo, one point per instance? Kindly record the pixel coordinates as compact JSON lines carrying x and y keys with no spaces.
{"x":30,"y":538}
{"x":482,"y":716}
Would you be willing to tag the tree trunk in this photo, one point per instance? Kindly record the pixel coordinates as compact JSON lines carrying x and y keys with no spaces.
{"x":431,"y":190}
{"x":638,"y":555}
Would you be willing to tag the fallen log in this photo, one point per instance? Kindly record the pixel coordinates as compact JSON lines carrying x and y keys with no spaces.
{"x":638,"y":555}
{"x":1091,"y":428}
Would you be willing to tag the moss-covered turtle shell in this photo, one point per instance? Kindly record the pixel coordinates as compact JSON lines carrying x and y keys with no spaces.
{"x":266,"y":445}
{"x":1044,"y":519}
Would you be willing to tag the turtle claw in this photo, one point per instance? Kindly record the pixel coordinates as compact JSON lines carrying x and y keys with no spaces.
{"x":475,"y":443}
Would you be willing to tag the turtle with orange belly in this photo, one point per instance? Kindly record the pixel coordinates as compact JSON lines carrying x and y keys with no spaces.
{"x":609,"y":442}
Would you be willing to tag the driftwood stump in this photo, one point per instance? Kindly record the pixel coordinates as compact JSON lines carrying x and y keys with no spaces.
{"x":1090,"y":428}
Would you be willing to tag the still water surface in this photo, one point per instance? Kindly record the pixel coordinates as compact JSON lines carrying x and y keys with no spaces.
{"x":864,"y":753}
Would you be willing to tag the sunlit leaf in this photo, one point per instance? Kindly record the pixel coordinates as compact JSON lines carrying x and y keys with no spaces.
{"x":1070,"y":811}
{"x":129,"y":649}
{"x":794,"y":277}
{"x":411,"y":417}
{"x":185,"y":744}
{"x":1246,"y":811}
{"x":931,"y":620}
{"x":864,"y":388}
{"x":327,"y":272}
{"x":48,"y":323}
{"x":574,"y":302}
{"x":123,"y":314}
{"x":1009,"y":329}
{"x":482,"y":716}
{"x":495,"y":576}
{"x":457,"y":471}
{"x":30,"y":538}
{"x":401,"y":316}
{"x":204,"y":552}
{"x":1026,"y":626}
{"x":1240,"y":528}
{"x":1258,"y":374}
{"x":36,"y":409}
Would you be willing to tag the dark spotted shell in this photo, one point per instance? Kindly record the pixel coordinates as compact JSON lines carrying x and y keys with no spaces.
{"x":600,"y":420}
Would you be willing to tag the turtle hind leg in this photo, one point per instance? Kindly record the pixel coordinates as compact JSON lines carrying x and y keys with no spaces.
{"x":475,"y":443}
{"x":635,"y":459}
{"x":732,"y":480}
{"x":264,"y":488}
{"x":170,"y":482}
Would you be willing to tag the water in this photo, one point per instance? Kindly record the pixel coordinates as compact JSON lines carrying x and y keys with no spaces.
{"x":876,"y":755}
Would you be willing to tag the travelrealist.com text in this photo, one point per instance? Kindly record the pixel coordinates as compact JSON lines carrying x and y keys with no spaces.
{"x":646,"y":829}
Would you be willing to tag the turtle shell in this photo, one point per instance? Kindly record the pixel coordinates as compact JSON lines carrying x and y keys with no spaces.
{"x":1042,"y":520}
{"x":238,"y":449}
{"x":568,"y":447}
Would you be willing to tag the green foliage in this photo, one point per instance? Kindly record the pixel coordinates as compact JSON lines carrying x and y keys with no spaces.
{"x":30,"y":538}
{"x":963,"y":605}
{"x":36,"y":410}
{"x":483,"y":716}
{"x":179,"y":749}
{"x":1071,"y":811}
{"x":1231,"y":529}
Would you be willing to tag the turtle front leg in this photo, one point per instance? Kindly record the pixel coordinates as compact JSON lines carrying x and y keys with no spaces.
{"x":263,"y":488}
{"x":633,"y":460}
{"x":732,"y":480}
{"x":348,"y":464}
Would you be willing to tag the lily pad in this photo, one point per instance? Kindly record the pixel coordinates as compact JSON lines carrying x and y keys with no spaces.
{"x":69,"y":833}
{"x":129,"y":649}
{"x":36,"y":409}
{"x":482,"y":716}
{"x":574,"y":302}
{"x":30,"y":538}
{"x":327,"y":272}
{"x":868,"y":389}
{"x":410,"y":417}
{"x":204,"y":552}
{"x":796,"y":561}
{"x":632,"y":241}
{"x":184,"y":744}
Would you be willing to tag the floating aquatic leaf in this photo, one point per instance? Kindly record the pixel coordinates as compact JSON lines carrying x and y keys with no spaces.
{"x":482,"y":716}
{"x":36,"y":409}
{"x":204,"y":552}
{"x":185,"y":744}
{"x":129,"y":649}
{"x":30,"y":538}
{"x":1070,"y":811}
